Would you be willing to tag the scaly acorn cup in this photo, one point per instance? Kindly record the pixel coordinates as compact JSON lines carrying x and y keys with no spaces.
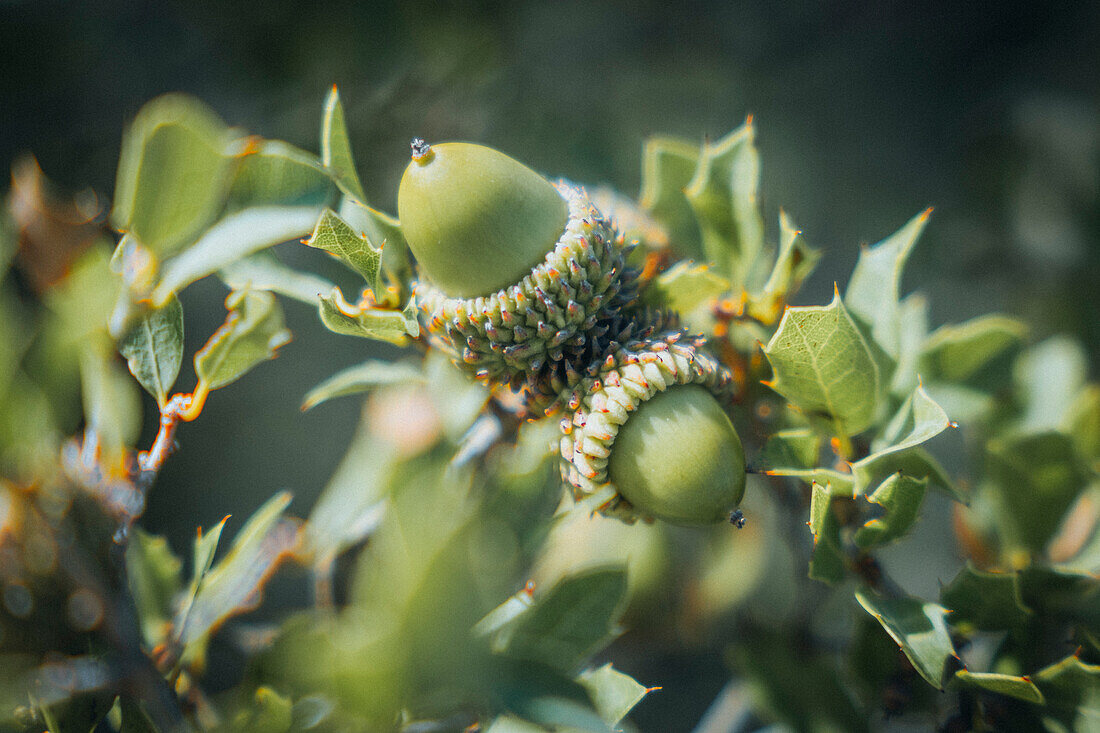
{"x":517,"y":272}
{"x":649,"y":438}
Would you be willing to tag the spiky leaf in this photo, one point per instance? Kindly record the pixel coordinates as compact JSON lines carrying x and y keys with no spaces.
{"x":827,"y":564}
{"x":1020,"y":688}
{"x":986,"y":601}
{"x":900,"y":497}
{"x":918,"y":627}
{"x":668,"y":165}
{"x":374,"y":323}
{"x":336,"y":237}
{"x":252,"y":333}
{"x":613,"y":693}
{"x":336,"y":148}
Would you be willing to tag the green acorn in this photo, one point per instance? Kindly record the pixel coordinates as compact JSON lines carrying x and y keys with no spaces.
{"x":649,"y":438}
{"x":518,"y":272}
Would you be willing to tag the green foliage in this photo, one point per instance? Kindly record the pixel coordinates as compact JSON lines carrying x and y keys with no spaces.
{"x":153,"y":349}
{"x":333,"y":235}
{"x":252,"y":332}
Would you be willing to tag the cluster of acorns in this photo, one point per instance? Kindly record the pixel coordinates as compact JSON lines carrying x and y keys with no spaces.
{"x":527,"y":285}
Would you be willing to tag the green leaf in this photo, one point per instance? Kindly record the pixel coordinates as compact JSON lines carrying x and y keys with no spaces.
{"x":918,"y":628}
{"x":392,"y":326}
{"x":1049,"y":376}
{"x":574,"y":620}
{"x":512,"y":724}
{"x":336,"y":149}
{"x":273,"y":173}
{"x":918,"y":420}
{"x":723,"y":195}
{"x":270,"y":713}
{"x":1082,"y":424}
{"x":1020,"y":688}
{"x":915,"y":462}
{"x":613,"y":693}
{"x":251,"y":334}
{"x":333,"y":235}
{"x":173,"y":172}
{"x":912,"y":332}
{"x":685,"y":287}
{"x":827,"y":564}
{"x":134,"y":717}
{"x":362,"y":378}
{"x":384,"y":229}
{"x":668,"y":165}
{"x":900,"y":497}
{"x":206,"y":544}
{"x":796,"y":448}
{"x":235,"y":584}
{"x":1065,"y":596}
{"x":232,"y":238}
{"x":1036,"y":479}
{"x":1067,"y":686}
{"x":795,"y":261}
{"x":985,"y":601}
{"x":841,"y":484}
{"x":153,"y":573}
{"x":112,"y":407}
{"x":873,"y":292}
{"x":561,"y":714}
{"x":153,"y":348}
{"x":263,"y":271}
{"x":823,"y":365}
{"x":955,"y":353}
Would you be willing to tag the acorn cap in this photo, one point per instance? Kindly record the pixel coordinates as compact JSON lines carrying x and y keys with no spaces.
{"x":475,"y":219}
{"x":682,"y":462}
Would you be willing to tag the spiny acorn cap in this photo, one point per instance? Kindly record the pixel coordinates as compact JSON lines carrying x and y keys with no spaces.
{"x":475,"y":219}
{"x":545,"y":319}
{"x":682,"y":462}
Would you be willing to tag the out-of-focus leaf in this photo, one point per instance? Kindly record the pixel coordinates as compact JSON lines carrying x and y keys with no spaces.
{"x":206,"y":544}
{"x":686,"y":286}
{"x":1049,"y":376}
{"x":336,"y":149}
{"x":82,"y":301}
{"x":954,"y":353}
{"x":263,"y":271}
{"x":173,"y":172}
{"x":795,"y":261}
{"x":154,"y":576}
{"x":1037,"y":478}
{"x":561,"y":714}
{"x":823,"y":365}
{"x":270,"y":713}
{"x":235,"y":584}
{"x":496,"y":621}
{"x":153,"y":349}
{"x":458,"y":399}
{"x":335,"y":236}
{"x":901,"y":498}
{"x":791,"y":448}
{"x":1082,"y":424}
{"x":381,"y":228}
{"x":1003,"y":684}
{"x":392,"y":326}
{"x":251,"y":334}
{"x":575,"y":619}
{"x":1067,"y":686}
{"x":362,"y":378}
{"x":310,"y":712}
{"x":16,"y":334}
{"x":723,"y":195}
{"x":236,"y":236}
{"x":134,"y":717}
{"x":1070,"y":597}
{"x":112,"y":408}
{"x":668,"y":165}
{"x":873,"y":292}
{"x":273,"y":173}
{"x":512,"y":724}
{"x":918,"y":627}
{"x":912,"y":331}
{"x":986,"y":601}
{"x":613,"y":693}
{"x":827,"y":564}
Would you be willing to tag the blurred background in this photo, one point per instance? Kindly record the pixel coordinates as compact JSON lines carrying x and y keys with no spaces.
{"x":867,"y":113}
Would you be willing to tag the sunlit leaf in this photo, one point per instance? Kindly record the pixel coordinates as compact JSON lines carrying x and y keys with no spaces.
{"x":273,"y":173}
{"x":873,"y":292}
{"x":173,"y":172}
{"x":392,"y":326}
{"x":362,"y":378}
{"x":263,"y":271}
{"x":251,"y":334}
{"x":823,"y":365}
{"x":336,"y":237}
{"x":984,"y":600}
{"x":900,"y":497}
{"x":153,"y":348}
{"x":915,"y":462}
{"x":827,"y":564}
{"x":336,"y":149}
{"x":236,"y":236}
{"x":912,"y":332}
{"x":382,"y":229}
{"x":918,"y":627}
{"x":795,"y":261}
{"x":918,"y":420}
{"x":668,"y":165}
{"x":955,"y":353}
{"x":1020,"y":688}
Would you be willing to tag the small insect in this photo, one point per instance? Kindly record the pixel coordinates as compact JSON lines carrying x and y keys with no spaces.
{"x":737,"y":519}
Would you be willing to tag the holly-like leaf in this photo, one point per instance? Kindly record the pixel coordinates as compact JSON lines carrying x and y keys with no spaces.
{"x":1069,"y":687}
{"x":373,"y":323}
{"x":153,"y":348}
{"x":795,"y":261}
{"x":912,"y":332}
{"x":873,"y":292}
{"x":841,"y":484}
{"x":900,"y":497}
{"x":1066,"y":596}
{"x":153,"y":573}
{"x":685,"y":287}
{"x":336,"y":237}
{"x":824,"y":365}
{"x":613,"y":693}
{"x":985,"y":601}
{"x":232,"y":238}
{"x":915,"y":462}
{"x":1049,"y":376}
{"x":252,"y":333}
{"x":384,"y":229}
{"x":827,"y":564}
{"x":955,"y":353}
{"x":336,"y":149}
{"x":1020,"y":688}
{"x":273,"y":173}
{"x":263,"y":271}
{"x":918,"y":627}
{"x":362,"y":378}
{"x":574,"y":620}
{"x":173,"y":172}
{"x":796,"y":448}
{"x":668,"y":165}
{"x":723,"y":195}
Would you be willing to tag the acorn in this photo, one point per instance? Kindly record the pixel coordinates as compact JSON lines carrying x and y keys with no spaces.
{"x":649,"y":437}
{"x":517,"y":272}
